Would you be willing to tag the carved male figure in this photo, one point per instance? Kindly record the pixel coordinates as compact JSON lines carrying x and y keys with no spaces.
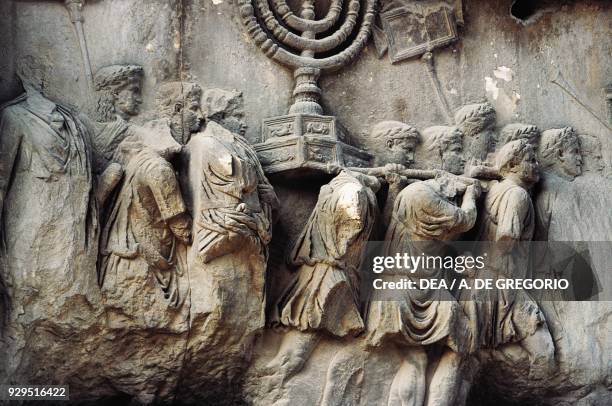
{"x":500,"y":317}
{"x":232,"y":204}
{"x":147,"y":216}
{"x":230,"y":197}
{"x":558,"y":214}
{"x":118,"y":100}
{"x":48,"y":217}
{"x":324,"y":297}
{"x":477,"y":123}
{"x":425,"y":212}
{"x":561,"y":160}
{"x":394,"y":145}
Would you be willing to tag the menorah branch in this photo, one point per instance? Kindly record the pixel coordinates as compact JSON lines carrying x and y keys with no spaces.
{"x":286,"y":37}
{"x":301,"y":24}
{"x":287,"y":58}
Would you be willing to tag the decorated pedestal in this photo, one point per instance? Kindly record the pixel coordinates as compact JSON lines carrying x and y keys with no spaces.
{"x":298,"y":145}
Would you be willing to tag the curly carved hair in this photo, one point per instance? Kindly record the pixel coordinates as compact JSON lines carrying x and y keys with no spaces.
{"x":475,"y":118}
{"x":109,"y":81}
{"x":441,"y":137}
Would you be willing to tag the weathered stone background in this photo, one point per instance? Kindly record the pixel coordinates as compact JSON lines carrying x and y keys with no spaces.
{"x":204,"y":41}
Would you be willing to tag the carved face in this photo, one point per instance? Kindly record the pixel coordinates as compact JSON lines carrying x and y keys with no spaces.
{"x":234,"y":121}
{"x":571,"y":159}
{"x":480,"y":144}
{"x":401,"y":151}
{"x":191,"y":112}
{"x":453,"y":160}
{"x":529,"y":170}
{"x":128,"y":100}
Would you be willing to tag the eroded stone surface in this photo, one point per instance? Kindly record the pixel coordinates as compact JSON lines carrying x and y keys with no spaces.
{"x":183,"y":216}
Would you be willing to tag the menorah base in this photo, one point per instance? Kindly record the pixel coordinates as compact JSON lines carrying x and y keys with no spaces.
{"x":302,"y":157}
{"x":305,"y":145}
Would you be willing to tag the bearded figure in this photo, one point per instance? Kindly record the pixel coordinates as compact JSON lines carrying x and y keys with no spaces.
{"x":505,"y":318}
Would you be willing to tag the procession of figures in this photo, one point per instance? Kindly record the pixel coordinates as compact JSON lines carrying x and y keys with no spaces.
{"x":180,"y":207}
{"x":147,"y":237}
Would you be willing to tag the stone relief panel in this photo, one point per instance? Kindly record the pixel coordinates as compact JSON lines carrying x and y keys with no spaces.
{"x":190,"y":191}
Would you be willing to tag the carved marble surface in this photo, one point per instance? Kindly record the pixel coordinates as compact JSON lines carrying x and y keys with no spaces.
{"x":188,"y":190}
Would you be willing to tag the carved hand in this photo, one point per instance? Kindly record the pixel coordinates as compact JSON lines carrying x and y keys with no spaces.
{"x":473,"y":190}
{"x":394,"y":168}
{"x":396,"y":182}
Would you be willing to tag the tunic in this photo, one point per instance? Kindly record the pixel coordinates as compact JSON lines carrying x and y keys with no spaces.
{"x":423,"y":213}
{"x":503,"y":316}
{"x":328,"y":252}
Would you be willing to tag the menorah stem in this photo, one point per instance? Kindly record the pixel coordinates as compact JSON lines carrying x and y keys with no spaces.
{"x":307,"y":93}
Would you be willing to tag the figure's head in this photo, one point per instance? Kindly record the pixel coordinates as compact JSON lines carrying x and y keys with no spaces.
{"x":119,"y":91}
{"x":591,"y":153}
{"x":395,"y":142}
{"x":180,"y":102}
{"x":474,"y":119}
{"x":518,"y":158}
{"x":560,"y":150}
{"x":33,"y":71}
{"x":519,"y":131}
{"x":446,"y":147}
{"x":225,"y":107}
{"x":477,"y":123}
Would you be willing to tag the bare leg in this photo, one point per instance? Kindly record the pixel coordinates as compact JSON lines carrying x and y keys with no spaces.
{"x":408,"y":386}
{"x":294,"y":351}
{"x":541,"y":350}
{"x":445,"y":383}
{"x":344,"y":377}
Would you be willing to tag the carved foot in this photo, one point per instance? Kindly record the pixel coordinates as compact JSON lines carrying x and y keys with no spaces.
{"x":285,"y":365}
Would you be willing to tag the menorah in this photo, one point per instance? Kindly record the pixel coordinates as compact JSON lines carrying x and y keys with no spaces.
{"x":305,"y":141}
